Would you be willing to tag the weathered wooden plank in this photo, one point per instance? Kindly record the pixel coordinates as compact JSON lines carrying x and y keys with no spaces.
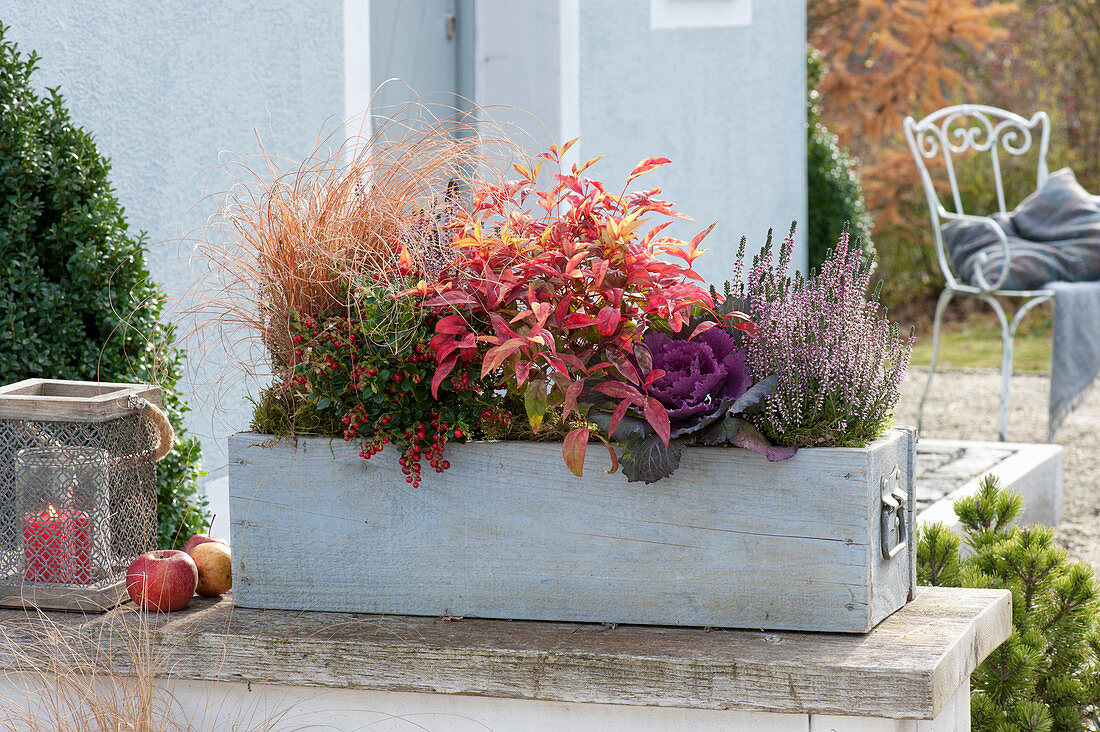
{"x":15,"y":593}
{"x":54,"y":400}
{"x":892,"y":580}
{"x":909,"y":667}
{"x":205,"y":705}
{"x":507,"y":532}
{"x":954,"y":717}
{"x":729,"y":541}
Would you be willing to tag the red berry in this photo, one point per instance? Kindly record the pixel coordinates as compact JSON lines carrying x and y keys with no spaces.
{"x":458,"y":434}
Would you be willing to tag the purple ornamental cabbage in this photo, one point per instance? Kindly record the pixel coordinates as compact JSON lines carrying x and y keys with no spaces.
{"x":702,"y":376}
{"x":706,"y":389}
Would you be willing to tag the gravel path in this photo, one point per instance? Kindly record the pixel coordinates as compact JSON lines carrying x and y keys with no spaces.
{"x":963,"y":405}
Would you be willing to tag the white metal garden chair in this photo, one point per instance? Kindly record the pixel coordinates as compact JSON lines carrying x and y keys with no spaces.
{"x":976,"y":129}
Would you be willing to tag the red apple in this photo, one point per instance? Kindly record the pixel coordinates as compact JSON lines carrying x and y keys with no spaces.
{"x":197,"y":539}
{"x":215,"y":568}
{"x":162,"y":580}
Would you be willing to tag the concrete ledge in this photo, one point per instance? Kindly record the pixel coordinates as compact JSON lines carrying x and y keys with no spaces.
{"x":1032,"y":470}
{"x":910,"y":667}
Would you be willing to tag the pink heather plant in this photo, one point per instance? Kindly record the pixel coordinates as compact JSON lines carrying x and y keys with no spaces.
{"x":840,"y":362}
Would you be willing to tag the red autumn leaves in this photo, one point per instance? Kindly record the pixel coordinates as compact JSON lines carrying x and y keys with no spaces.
{"x":558,"y":295}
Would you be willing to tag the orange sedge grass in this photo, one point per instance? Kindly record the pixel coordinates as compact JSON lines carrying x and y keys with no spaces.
{"x":295,"y":237}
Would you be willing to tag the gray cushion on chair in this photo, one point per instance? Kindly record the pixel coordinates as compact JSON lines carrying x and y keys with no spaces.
{"x":1054,"y":234}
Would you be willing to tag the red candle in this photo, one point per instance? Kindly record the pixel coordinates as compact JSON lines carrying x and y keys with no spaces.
{"x":58,"y":546}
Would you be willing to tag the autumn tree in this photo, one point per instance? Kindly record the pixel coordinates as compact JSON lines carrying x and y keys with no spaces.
{"x":887,"y":59}
{"x":1050,"y":59}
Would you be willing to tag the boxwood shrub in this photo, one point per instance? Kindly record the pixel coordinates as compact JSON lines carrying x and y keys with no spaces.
{"x":835,"y":197}
{"x":76,"y":300}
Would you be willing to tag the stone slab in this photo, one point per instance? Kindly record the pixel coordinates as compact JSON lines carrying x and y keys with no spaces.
{"x":947,"y":470}
{"x":944,"y":466}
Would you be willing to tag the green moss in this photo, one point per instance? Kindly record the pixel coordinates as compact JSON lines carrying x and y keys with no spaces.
{"x":282,"y":412}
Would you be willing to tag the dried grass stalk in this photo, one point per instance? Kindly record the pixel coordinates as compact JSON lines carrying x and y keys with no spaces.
{"x":296,"y":240}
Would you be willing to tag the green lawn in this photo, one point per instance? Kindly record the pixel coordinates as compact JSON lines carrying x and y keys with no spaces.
{"x":978,"y":345}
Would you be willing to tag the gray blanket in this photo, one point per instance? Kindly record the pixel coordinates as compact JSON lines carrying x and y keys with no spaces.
{"x":1054,"y":239}
{"x":1053,"y":235}
{"x":1075,"y":356}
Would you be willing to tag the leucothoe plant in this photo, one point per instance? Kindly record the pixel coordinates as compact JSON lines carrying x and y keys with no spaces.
{"x":554,"y":288}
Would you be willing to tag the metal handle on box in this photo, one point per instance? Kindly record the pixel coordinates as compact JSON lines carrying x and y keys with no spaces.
{"x":892,"y":516}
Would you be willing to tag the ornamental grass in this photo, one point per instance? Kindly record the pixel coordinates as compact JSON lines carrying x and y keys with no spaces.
{"x":62,"y":679}
{"x":294,"y":236}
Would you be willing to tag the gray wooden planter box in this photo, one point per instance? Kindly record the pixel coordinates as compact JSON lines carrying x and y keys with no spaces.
{"x":730,"y":540}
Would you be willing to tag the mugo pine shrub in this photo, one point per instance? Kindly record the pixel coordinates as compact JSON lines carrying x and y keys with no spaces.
{"x":77,"y":301}
{"x":1046,"y":676}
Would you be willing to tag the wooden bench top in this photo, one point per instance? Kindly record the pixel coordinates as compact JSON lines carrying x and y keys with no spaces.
{"x":908,"y":667}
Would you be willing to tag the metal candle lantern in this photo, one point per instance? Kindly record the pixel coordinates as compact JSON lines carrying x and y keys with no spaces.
{"x":77,"y":490}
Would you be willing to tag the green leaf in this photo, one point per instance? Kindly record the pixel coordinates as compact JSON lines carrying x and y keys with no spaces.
{"x":534,"y":401}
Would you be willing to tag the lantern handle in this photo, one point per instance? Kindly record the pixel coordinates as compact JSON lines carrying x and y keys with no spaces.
{"x":166,"y":435}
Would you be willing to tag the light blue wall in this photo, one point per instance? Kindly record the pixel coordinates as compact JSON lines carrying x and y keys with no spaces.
{"x":165,"y":87}
{"x":726,"y":105}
